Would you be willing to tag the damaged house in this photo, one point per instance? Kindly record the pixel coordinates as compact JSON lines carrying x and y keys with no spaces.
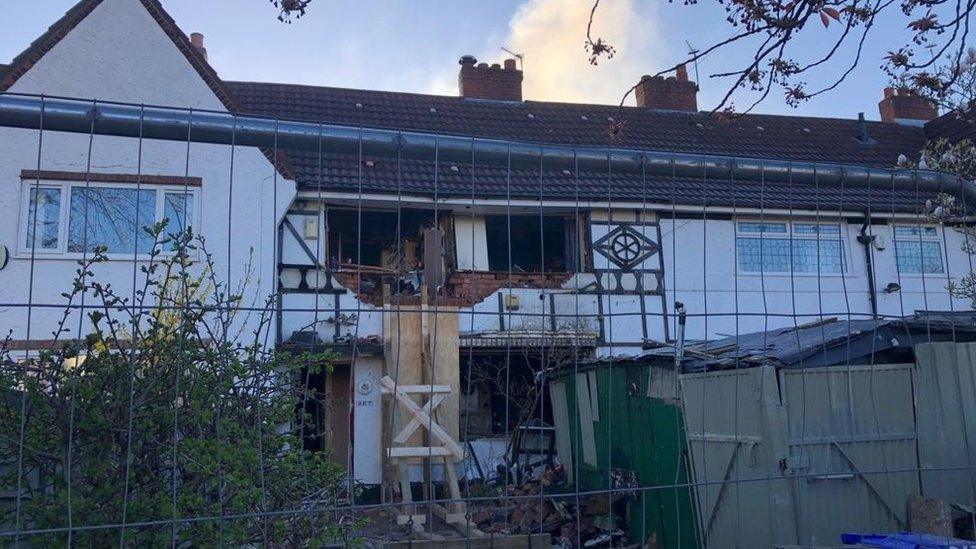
{"x":539,"y":266}
{"x":521,"y":237}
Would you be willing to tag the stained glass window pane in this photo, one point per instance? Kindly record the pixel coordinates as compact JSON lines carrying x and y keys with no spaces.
{"x":111,"y":217}
{"x":918,"y":257}
{"x":810,"y":228}
{"x":906,"y":230}
{"x":807,"y":251}
{"x":756,"y":227}
{"x":771,"y":255}
{"x":43,"y":218}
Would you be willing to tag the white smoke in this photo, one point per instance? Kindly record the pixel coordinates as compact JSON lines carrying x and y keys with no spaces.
{"x":551,"y":35}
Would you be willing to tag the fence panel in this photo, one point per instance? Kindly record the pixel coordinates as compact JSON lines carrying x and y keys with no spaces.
{"x":945,"y":396}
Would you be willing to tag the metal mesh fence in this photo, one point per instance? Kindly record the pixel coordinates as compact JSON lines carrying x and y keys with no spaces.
{"x":233,"y":330}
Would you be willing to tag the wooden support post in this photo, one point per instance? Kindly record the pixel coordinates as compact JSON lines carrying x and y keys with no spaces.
{"x":421,"y":349}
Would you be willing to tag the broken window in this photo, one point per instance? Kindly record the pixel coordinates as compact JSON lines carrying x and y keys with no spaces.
{"x":533,"y":243}
{"x":387,"y":239}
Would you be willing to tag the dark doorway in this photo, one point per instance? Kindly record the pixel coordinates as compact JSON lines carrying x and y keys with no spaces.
{"x":328,"y":413}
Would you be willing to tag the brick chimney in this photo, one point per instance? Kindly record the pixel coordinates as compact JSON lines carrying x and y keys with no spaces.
{"x":481,"y":81}
{"x":906,"y":107}
{"x":197,"y":40}
{"x":674,"y":93}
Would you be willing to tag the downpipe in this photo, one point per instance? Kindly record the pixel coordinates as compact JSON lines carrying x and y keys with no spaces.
{"x":867,"y":242}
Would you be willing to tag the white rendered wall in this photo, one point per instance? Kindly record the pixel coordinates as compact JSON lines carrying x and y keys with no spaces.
{"x":368,"y":421}
{"x":119,"y":53}
{"x":702,"y":275}
{"x":920,"y":292}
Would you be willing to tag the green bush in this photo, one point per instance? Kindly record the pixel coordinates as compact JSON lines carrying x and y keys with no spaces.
{"x":165,"y":416}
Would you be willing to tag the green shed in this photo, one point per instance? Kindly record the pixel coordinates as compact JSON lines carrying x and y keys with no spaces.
{"x":610,"y":434}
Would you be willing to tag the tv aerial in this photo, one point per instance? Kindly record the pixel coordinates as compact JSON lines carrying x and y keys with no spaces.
{"x":692,"y":52}
{"x":519,"y":56}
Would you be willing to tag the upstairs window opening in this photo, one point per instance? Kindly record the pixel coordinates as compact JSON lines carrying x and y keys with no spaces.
{"x":385,"y":239}
{"x":533,"y":243}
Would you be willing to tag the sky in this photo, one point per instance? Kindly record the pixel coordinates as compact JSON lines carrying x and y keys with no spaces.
{"x":414,"y":46}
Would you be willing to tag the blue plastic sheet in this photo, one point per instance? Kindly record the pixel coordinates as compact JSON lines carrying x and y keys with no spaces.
{"x":907,"y":540}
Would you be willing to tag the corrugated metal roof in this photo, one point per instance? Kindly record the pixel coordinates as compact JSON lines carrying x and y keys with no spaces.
{"x":826,"y":343}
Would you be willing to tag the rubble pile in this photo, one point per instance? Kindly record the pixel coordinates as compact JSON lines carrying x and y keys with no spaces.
{"x":541,"y":507}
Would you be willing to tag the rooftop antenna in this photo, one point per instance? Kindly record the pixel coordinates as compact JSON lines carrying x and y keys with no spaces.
{"x":519,"y":56}
{"x":692,"y":52}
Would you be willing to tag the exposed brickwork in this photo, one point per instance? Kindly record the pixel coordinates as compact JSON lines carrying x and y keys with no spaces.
{"x":143,"y":179}
{"x":475,"y":286}
{"x":483,"y":81}
{"x":900,"y":104}
{"x":675,"y":93}
{"x":463,"y":288}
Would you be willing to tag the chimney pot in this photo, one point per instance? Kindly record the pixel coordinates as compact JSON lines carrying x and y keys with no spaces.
{"x":681,"y":73}
{"x":906,"y":107}
{"x":196,"y":39}
{"x":484,"y":81}
{"x":674,"y":93}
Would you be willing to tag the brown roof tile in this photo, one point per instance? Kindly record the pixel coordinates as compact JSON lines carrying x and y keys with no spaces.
{"x":796,"y":138}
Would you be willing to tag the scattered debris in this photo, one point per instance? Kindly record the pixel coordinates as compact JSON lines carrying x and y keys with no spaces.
{"x":543,"y":505}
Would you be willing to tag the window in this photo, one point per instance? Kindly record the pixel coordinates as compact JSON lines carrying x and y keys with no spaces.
{"x":781,"y":247}
{"x":43,"y":215}
{"x":111,"y":217}
{"x":918,"y":250}
{"x":75,"y":218}
{"x":528,"y":243}
{"x":388,"y":239}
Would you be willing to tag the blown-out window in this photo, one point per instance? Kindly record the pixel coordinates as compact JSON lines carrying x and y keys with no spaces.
{"x":71,"y":218}
{"x":530,"y":243}
{"x":784,"y":247}
{"x":918,"y":250}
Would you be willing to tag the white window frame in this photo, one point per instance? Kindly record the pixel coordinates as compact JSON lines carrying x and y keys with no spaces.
{"x":61,"y":252}
{"x":793,"y":236}
{"x":937,"y":238}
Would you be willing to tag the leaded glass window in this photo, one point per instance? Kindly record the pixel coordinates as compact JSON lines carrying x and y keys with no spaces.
{"x":780,"y":247}
{"x":918,"y":250}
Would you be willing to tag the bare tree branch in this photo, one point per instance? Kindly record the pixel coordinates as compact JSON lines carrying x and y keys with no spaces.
{"x":937,"y":28}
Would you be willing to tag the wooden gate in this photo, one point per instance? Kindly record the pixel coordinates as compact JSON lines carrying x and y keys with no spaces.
{"x":851,"y":448}
{"x":800,"y":456}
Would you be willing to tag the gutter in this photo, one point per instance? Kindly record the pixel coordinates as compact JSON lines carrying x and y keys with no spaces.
{"x":203,"y":126}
